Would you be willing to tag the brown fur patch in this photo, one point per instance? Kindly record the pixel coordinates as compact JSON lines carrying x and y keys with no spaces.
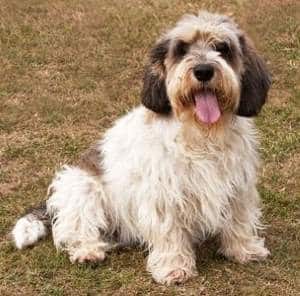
{"x":150,"y":116}
{"x":90,"y":161}
{"x":154,"y":96}
{"x":205,"y":36}
{"x":40,"y":213}
{"x":256,"y":80}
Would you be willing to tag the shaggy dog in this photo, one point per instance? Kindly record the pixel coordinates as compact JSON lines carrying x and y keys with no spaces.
{"x":175,"y":170}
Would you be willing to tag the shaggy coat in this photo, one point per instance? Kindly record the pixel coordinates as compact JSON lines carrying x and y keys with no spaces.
{"x":175,"y":170}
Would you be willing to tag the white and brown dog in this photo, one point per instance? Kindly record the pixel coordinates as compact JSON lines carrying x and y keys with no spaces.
{"x":175,"y":170}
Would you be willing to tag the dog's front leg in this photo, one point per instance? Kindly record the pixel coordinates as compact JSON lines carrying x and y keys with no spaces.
{"x":172,"y":258}
{"x":240,"y":240}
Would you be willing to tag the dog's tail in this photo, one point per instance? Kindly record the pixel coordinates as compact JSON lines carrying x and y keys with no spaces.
{"x":33,"y":226}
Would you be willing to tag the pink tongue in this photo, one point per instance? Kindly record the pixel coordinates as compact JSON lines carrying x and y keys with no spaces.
{"x":207,"y":107}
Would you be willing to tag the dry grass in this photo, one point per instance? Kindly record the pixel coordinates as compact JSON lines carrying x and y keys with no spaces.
{"x":68,"y":69}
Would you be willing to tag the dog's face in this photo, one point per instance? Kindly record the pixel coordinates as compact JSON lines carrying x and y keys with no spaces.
{"x":204,"y":69}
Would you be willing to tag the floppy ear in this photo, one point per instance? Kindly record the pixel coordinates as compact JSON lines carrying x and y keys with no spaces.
{"x":154,"y":93}
{"x":255,"y":81}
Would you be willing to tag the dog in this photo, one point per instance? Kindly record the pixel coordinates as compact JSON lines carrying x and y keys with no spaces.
{"x":177,"y":169}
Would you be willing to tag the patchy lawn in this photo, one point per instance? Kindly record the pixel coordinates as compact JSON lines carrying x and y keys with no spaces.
{"x":68,"y":69}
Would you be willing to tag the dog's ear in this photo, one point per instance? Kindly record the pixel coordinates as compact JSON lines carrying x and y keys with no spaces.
{"x":154,"y":93}
{"x":255,"y":81}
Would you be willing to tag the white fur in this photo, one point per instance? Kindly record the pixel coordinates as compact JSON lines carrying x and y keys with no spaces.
{"x":158,"y":190}
{"x":77,"y":207}
{"x":27,"y":231}
{"x":220,"y":25}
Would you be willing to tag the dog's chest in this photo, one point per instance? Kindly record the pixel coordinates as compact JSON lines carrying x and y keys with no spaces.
{"x":151,"y":169}
{"x":210,"y":178}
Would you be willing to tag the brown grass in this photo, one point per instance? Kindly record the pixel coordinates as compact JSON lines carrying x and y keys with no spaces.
{"x":68,"y":69}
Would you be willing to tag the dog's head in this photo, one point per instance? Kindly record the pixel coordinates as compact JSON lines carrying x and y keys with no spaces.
{"x":204,"y":68}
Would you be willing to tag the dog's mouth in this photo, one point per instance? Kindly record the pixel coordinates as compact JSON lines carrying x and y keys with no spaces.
{"x":207,"y":108}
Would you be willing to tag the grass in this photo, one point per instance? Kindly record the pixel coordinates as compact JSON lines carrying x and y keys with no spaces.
{"x":68,"y":69}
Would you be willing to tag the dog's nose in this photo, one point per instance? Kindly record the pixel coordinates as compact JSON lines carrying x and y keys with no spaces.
{"x":204,"y":72}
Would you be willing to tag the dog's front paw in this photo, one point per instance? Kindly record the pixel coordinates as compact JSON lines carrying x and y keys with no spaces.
{"x":254,"y":254}
{"x":176,"y":276}
{"x":253,"y":251}
{"x":87,"y":254}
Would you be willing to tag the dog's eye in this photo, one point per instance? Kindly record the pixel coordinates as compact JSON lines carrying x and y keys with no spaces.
{"x":223,"y":48}
{"x":181,"y":48}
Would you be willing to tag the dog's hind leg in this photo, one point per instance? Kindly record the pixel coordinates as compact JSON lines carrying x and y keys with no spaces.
{"x":81,"y":214}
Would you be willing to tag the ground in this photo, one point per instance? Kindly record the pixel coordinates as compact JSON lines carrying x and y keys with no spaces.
{"x":68,"y":69}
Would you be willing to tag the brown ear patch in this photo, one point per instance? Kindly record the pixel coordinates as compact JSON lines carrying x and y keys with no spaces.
{"x":255,"y":81}
{"x":154,"y":93}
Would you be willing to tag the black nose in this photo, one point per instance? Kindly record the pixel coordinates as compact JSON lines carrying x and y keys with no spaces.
{"x":204,"y":72}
